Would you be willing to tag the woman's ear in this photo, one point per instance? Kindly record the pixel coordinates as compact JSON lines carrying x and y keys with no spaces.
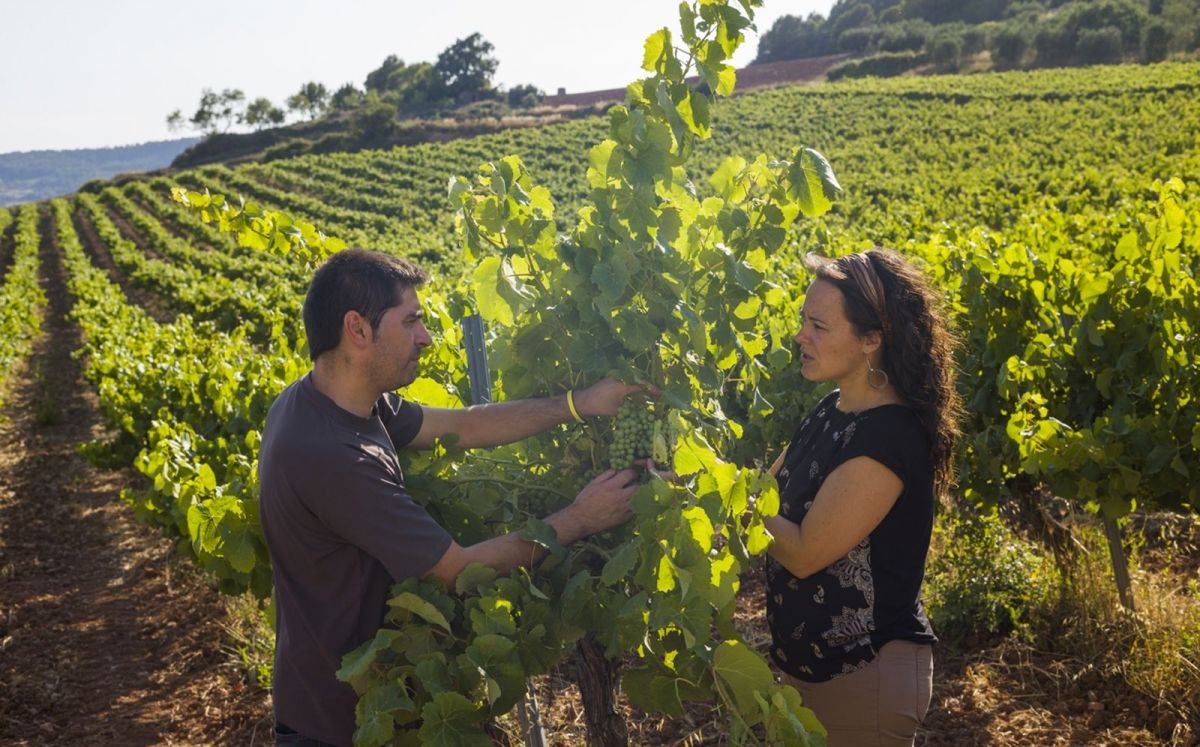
{"x":872,"y":341}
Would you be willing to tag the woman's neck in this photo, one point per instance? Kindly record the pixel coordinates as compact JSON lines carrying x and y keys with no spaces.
{"x":855,"y":394}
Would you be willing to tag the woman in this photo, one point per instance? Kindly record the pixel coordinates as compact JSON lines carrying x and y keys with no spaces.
{"x":857,"y":486}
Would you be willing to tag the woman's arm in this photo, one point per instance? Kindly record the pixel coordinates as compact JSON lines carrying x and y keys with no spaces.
{"x":850,"y":504}
{"x":777,"y":464}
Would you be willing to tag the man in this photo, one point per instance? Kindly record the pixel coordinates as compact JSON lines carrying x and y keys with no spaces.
{"x":339,"y":524}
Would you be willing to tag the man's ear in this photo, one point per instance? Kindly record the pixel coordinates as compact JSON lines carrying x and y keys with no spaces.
{"x":356,"y":329}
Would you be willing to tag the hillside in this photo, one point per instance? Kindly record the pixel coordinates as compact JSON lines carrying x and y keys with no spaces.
{"x":890,"y":38}
{"x":35,"y":175}
{"x":362,"y":129}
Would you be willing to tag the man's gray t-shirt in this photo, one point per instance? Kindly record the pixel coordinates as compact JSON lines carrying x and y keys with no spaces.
{"x":341,"y":529}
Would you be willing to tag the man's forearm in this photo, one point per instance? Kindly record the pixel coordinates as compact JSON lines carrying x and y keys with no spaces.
{"x":507,"y":422}
{"x":509,"y":551}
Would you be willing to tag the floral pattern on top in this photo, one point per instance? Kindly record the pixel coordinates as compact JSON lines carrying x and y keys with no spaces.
{"x":828,"y":624}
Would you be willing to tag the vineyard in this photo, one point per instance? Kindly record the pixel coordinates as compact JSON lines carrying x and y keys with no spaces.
{"x":1058,"y":211}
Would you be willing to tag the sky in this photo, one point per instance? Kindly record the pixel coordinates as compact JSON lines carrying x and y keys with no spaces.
{"x":76,"y":74}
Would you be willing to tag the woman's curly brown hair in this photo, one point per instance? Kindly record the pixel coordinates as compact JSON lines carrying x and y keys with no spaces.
{"x":918,"y":344}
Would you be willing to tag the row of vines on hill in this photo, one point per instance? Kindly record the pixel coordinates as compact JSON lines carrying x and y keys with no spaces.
{"x":21,"y":297}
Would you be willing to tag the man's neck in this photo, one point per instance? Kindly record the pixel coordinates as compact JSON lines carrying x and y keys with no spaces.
{"x":347,"y":390}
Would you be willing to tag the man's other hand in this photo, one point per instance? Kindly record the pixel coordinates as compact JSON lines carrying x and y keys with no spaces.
{"x":603,"y":397}
{"x":604,"y":502}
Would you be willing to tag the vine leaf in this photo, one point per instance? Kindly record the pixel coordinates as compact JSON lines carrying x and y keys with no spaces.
{"x":450,"y":720}
{"x":744,"y":673}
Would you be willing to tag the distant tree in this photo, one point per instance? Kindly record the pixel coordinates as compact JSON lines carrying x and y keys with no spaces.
{"x":975,"y":39}
{"x":908,"y":36}
{"x":1127,"y":16}
{"x":853,"y":16}
{"x":310,"y":101}
{"x":858,"y":41}
{"x":1183,"y":19}
{"x":1009,"y":46}
{"x":465,"y":68}
{"x":414,"y":87}
{"x":934,"y":11}
{"x":217,"y":112}
{"x":1155,"y":7}
{"x":1099,"y":46}
{"x":261,"y":113}
{"x":1054,"y":45}
{"x":894,"y":14}
{"x":374,"y":121}
{"x":346,"y":97}
{"x":946,"y":53}
{"x":378,"y":79}
{"x":1024,"y":8}
{"x":525,"y":96}
{"x":1156,"y":40}
{"x":793,"y":38}
{"x":948,"y":11}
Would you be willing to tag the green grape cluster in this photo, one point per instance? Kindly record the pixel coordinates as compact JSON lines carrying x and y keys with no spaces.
{"x":637,"y":434}
{"x":632,"y":431}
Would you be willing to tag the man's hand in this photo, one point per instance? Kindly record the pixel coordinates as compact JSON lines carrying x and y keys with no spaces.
{"x":603,"y":397}
{"x":603,"y":503}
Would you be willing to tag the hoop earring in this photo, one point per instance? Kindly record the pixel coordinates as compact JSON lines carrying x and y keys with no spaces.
{"x":871,"y":376}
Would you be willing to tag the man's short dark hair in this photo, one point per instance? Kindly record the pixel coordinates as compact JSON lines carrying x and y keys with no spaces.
{"x":361,"y":280}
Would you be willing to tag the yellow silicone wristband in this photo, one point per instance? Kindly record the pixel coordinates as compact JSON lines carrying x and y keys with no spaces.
{"x":571,"y":406}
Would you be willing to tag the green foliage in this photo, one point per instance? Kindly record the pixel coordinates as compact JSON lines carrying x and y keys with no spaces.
{"x":486,"y":109}
{"x":21,"y":297}
{"x":793,"y":37}
{"x":464,"y":70}
{"x":1055,"y":45}
{"x":947,"y":11}
{"x":375,"y":120}
{"x":383,"y":78}
{"x":946,"y":55}
{"x":862,"y":27}
{"x":1156,"y":40}
{"x":310,"y":101}
{"x":858,"y":41}
{"x":525,"y":95}
{"x":850,"y":15}
{"x":261,"y":113}
{"x":1099,"y":46}
{"x":347,"y":97}
{"x":877,"y":65}
{"x":983,"y":579}
{"x":217,"y":112}
{"x":907,"y":36}
{"x":1009,"y":46}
